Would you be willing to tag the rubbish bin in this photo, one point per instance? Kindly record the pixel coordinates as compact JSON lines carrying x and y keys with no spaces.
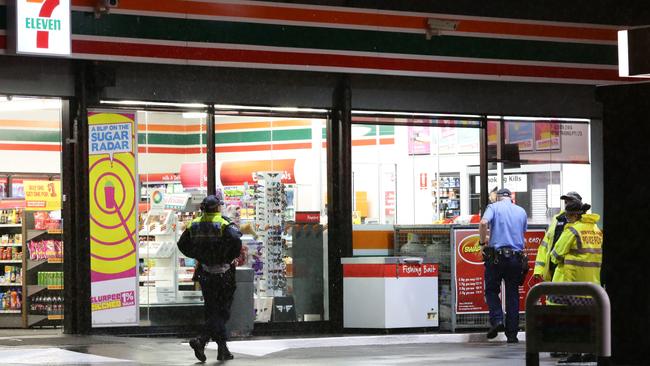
{"x":242,"y":312}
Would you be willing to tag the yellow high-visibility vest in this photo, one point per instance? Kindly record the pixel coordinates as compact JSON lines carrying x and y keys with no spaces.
{"x":579,"y":251}
{"x":543,"y":259}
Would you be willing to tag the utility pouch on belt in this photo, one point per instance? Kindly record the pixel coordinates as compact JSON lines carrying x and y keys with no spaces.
{"x":523,"y":258}
{"x":488,"y":254}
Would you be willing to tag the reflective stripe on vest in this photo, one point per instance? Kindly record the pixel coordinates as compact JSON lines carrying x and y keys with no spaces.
{"x":216,"y":220}
{"x":581,"y":263}
{"x":578,"y":239}
{"x":554,"y":254}
{"x":586,"y":250}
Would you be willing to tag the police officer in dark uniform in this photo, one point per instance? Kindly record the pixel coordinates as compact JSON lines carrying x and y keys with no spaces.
{"x":504,"y":261}
{"x":214,"y":242}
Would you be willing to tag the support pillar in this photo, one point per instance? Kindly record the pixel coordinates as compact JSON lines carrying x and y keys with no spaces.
{"x":339,"y":194}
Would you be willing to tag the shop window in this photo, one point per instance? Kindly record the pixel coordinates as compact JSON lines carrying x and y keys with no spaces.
{"x":412,"y":171}
{"x":273,"y":172}
{"x":408,"y":171}
{"x":31,"y":244}
{"x":539,"y":160}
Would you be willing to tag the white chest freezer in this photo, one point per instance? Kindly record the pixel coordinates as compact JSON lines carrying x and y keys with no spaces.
{"x":390,"y":292}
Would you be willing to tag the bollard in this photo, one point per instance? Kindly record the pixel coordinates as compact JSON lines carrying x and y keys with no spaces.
{"x":587,"y":328}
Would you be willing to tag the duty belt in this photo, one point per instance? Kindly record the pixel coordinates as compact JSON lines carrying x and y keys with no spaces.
{"x":507,"y":252}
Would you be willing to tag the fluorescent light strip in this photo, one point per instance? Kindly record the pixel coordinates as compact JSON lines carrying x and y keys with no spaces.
{"x":623,"y":61}
{"x":269,"y":109}
{"x":624,"y":57}
{"x":545,"y":119}
{"x":194,"y":115}
{"x":406,"y":114}
{"x":154,"y":104}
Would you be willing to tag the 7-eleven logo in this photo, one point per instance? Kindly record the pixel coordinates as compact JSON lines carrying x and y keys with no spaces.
{"x":43,"y":26}
{"x":44,"y":23}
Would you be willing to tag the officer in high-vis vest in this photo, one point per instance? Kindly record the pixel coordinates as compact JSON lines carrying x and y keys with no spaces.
{"x":578,"y":256}
{"x":544,"y":268}
{"x":578,"y":252}
{"x":214,"y":242}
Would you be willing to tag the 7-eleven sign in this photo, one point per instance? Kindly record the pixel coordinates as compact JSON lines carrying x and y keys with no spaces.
{"x":42,"y":27}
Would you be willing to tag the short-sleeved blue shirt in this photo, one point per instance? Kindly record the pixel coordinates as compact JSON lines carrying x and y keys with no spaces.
{"x":508,"y":223}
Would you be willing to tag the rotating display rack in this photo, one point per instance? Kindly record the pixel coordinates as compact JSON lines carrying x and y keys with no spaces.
{"x":270,"y":203}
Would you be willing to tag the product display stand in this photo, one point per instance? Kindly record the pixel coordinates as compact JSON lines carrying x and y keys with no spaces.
{"x":11,"y":268}
{"x":158,"y":258}
{"x":269,"y":206}
{"x":446,"y":194}
{"x":188,"y":291}
{"x":270,"y":203}
{"x":44,"y":271}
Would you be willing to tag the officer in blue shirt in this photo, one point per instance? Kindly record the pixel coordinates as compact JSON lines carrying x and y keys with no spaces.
{"x":504,"y":258}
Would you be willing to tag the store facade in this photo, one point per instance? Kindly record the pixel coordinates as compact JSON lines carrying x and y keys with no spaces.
{"x":361,"y":139}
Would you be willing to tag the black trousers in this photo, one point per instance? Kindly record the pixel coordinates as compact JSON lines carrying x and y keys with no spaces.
{"x":218,"y":291}
{"x":508,"y":270}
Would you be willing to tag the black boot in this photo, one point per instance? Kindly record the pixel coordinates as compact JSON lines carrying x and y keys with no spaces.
{"x":559,"y":354}
{"x":199,"y":348}
{"x":223,"y":353}
{"x":573,"y":358}
{"x":494,"y":330}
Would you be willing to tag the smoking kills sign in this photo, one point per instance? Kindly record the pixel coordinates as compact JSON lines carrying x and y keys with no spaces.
{"x":42,"y":27}
{"x":110,"y":139}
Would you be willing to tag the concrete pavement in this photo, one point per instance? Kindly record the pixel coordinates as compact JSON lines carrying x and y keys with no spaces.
{"x":52,"y":348}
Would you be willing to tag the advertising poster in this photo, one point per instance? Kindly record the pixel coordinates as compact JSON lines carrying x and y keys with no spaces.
{"x":514,"y":182}
{"x":492,"y":129}
{"x":389,"y":203}
{"x":547,"y":136}
{"x":534,"y":239}
{"x":419,"y":140}
{"x":233,"y":173}
{"x":42,"y":195}
{"x":447,"y":140}
{"x":468,"y":140}
{"x":113,"y":219}
{"x":470,"y":270}
{"x":520,"y":133}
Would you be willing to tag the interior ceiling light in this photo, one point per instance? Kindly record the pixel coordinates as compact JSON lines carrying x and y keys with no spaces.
{"x":194,"y":115}
{"x":510,"y":118}
{"x":152,"y":104}
{"x":269,"y":109}
{"x":407,"y":114}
